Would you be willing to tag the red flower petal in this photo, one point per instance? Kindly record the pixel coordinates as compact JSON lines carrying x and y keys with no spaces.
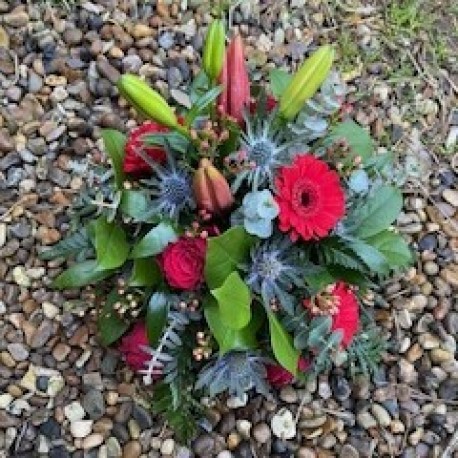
{"x":347,"y":318}
{"x":131,"y":347}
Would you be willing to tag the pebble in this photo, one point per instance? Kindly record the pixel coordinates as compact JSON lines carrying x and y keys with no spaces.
{"x":132,"y":450}
{"x":348,"y":451}
{"x":168,"y":446}
{"x":366,"y":420}
{"x":283,"y":424}
{"x":288,"y":394}
{"x":74,"y":411}
{"x":94,"y":404}
{"x":81,"y":428}
{"x":203,"y":445}
{"x":262,"y":433}
{"x":92,"y":441}
{"x":451,"y":196}
{"x":18,"y":351}
{"x":42,"y":334}
{"x":382,"y":416}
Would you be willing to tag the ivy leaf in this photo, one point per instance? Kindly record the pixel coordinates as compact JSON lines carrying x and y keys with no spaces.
{"x":279,"y":80}
{"x":225,"y":253}
{"x":282,"y":345}
{"x":377,"y":213}
{"x":114,"y":142}
{"x":154,"y":241}
{"x":81,"y":274}
{"x":145,"y":272}
{"x":358,"y":139}
{"x":110,"y":243}
{"x":110,"y":326}
{"x":229,"y":339}
{"x":156,"y":317}
{"x":134,"y":204}
{"x":393,"y":247}
{"x":234,"y":301}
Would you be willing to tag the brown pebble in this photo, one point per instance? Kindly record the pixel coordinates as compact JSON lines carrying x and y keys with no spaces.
{"x":132,"y":450}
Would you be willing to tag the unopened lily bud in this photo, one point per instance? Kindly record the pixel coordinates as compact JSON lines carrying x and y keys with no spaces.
{"x":306,"y":82}
{"x":211,"y":189}
{"x":147,"y":101}
{"x":213,"y":57}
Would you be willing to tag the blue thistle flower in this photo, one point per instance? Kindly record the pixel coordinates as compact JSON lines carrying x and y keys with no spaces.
{"x":274,"y":269}
{"x":171,"y":188}
{"x":236,"y":372}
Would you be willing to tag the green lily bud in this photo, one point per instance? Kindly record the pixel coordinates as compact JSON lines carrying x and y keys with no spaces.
{"x":147,"y":101}
{"x":213,"y":57}
{"x":306,"y":81}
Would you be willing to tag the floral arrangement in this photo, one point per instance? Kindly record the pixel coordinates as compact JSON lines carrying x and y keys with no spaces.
{"x":234,"y":242}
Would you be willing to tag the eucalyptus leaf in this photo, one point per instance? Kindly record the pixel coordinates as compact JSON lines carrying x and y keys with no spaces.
{"x":234,"y":300}
{"x":114,"y":142}
{"x":282,"y":345}
{"x":154,"y":241}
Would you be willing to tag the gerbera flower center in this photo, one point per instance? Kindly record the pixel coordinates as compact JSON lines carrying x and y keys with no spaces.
{"x":305,"y":197}
{"x":261,"y":152}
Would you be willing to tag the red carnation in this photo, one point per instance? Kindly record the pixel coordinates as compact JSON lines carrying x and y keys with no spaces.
{"x":133,"y":163}
{"x":347,"y":317}
{"x":131,"y":347}
{"x":278,"y":376}
{"x":310,"y":197}
{"x":183,"y":262}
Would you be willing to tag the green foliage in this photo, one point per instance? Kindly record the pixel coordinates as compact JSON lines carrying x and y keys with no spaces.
{"x":145,"y":272}
{"x":173,"y":141}
{"x":225,"y":253}
{"x":81,"y":274}
{"x":134,"y":204}
{"x":234,"y":300}
{"x":377,"y":212}
{"x":110,"y":243}
{"x":111,"y":327}
{"x":114,"y":142}
{"x":333,"y":251}
{"x":76,"y":245}
{"x":202,"y":104}
{"x":279,"y":81}
{"x":229,"y":339}
{"x":282,"y":345}
{"x":154,"y":241}
{"x":156,"y":317}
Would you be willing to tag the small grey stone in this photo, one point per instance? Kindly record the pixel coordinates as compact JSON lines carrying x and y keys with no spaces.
{"x":18,"y":351}
{"x":448,"y":389}
{"x":42,"y":334}
{"x":21,"y":230}
{"x":94,"y":404}
{"x":348,"y":451}
{"x":73,"y":36}
{"x":14,"y":176}
{"x":142,"y":416}
{"x":120,"y":432}
{"x":107,"y":70}
{"x":35,"y":82}
{"x":428,"y":242}
{"x":59,"y":177}
{"x":204,"y":445}
{"x":340,"y":388}
{"x":166,"y":40}
{"x":131,"y":63}
{"x":92,"y":380}
{"x":50,"y":429}
{"x":174,"y":77}
{"x":109,"y":363}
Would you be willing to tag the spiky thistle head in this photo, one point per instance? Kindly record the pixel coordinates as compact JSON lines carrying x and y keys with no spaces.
{"x":236,"y":372}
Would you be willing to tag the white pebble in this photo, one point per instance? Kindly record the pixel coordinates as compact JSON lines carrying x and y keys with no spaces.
{"x":167,"y":447}
{"x":283,"y":424}
{"x":50,"y":310}
{"x":244,"y":428}
{"x":234,"y":402}
{"x":74,"y":411}
{"x":81,"y":428}
{"x":5,"y":400}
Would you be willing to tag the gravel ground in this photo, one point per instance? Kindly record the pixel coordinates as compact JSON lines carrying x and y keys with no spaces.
{"x":61,"y":394}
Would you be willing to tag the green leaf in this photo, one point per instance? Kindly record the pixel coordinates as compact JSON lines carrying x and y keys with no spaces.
{"x":225,"y":253}
{"x":134,"y":204}
{"x":319,"y":330}
{"x":358,"y":139}
{"x":318,"y":280}
{"x":227,"y":338}
{"x":377,"y":213}
{"x":393,"y":247}
{"x":114,"y":142}
{"x":279,"y":81}
{"x":145,"y":272}
{"x":110,"y":326}
{"x":282,"y":345}
{"x":372,"y":257}
{"x":199,"y":86}
{"x":202,"y":103}
{"x":234,"y":300}
{"x":81,"y":274}
{"x":75,"y":244}
{"x":110,"y":243}
{"x":171,"y":140}
{"x":154,"y":241}
{"x":156,"y":317}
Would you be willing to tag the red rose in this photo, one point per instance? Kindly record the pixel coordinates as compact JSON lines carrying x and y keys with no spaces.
{"x":183,"y":263}
{"x":131,"y":347}
{"x":278,"y":376}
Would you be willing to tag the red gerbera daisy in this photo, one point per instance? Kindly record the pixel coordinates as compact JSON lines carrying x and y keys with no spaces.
{"x":310,"y":198}
{"x":133,"y":163}
{"x":347,"y":317}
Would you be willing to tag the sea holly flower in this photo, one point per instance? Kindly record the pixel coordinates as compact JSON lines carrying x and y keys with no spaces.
{"x":274,"y":269}
{"x":133,"y":163}
{"x":235,"y":97}
{"x":310,"y":197}
{"x":258,"y":211}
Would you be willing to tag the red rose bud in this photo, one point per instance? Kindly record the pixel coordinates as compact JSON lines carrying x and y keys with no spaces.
{"x":278,"y":376}
{"x":131,"y":347}
{"x":234,"y":79}
{"x":133,"y":162}
{"x":211,"y":190}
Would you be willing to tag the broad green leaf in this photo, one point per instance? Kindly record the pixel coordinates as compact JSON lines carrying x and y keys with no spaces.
{"x":156,"y":317}
{"x":282,"y":345}
{"x":225,"y":253}
{"x":279,"y":81}
{"x":81,"y":274}
{"x":372,"y":257}
{"x":111,"y":326}
{"x":145,"y":272}
{"x":379,"y":211}
{"x":393,"y":247}
{"x":134,"y":204}
{"x":114,"y":142}
{"x":202,"y":103}
{"x":358,"y":139}
{"x":110,"y":243}
{"x":234,"y":300}
{"x":154,"y":241}
{"x":229,"y":339}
